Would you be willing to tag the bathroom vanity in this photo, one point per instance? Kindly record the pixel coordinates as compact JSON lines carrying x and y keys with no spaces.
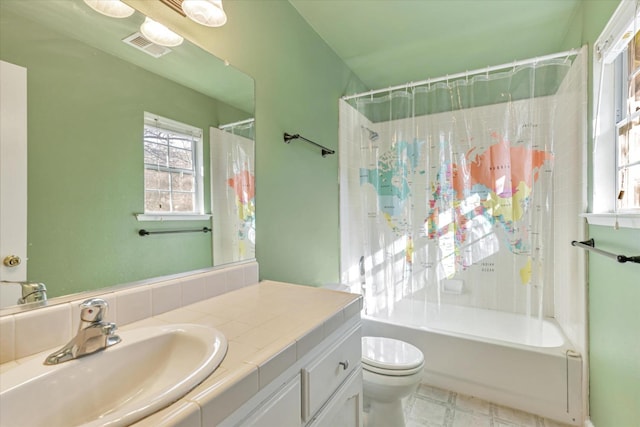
{"x":298,"y":365}
{"x":324,"y":388}
{"x":293,"y":355}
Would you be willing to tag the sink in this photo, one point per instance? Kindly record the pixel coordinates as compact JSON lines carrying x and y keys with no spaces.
{"x":150,"y":369}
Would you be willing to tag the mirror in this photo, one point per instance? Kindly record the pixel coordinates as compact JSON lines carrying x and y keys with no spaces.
{"x":87,"y":95}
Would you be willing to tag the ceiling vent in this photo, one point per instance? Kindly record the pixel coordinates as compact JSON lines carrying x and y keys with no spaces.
{"x":138,"y":41}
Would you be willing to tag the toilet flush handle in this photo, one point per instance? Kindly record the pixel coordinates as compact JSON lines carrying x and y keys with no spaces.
{"x":345,"y":365}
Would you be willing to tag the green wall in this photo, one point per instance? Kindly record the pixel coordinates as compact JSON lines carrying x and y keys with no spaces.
{"x":85,"y":156}
{"x":299,"y":80}
{"x":614,"y":289}
{"x":614,"y":293}
{"x":614,"y":330}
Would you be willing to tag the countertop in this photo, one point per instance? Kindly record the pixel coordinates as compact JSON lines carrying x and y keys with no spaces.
{"x":269,"y":326}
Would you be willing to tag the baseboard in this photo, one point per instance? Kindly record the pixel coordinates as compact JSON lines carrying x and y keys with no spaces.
{"x":588,"y":423}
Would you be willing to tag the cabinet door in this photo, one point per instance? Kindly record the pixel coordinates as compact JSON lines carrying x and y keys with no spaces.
{"x":344,"y":409}
{"x":282,"y":409}
{"x":322,"y":377}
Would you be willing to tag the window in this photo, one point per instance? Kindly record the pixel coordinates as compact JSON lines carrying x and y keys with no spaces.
{"x":615,"y":200}
{"x":172,"y":167}
{"x":627,"y":119}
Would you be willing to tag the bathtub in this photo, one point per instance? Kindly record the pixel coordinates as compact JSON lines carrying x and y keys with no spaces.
{"x":501,"y":357}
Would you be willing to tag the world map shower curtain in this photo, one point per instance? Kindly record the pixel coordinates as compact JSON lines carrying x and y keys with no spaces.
{"x":232,"y":152}
{"x":447,"y":190}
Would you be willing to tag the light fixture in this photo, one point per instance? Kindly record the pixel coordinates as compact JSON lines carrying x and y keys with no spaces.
{"x":111,"y":8}
{"x":159,"y":34}
{"x":205,"y":12}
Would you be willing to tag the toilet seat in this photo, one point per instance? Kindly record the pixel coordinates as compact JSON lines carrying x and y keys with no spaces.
{"x":391,"y":357}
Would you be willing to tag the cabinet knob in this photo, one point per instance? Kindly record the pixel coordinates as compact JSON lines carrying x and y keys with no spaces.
{"x":345,"y":365}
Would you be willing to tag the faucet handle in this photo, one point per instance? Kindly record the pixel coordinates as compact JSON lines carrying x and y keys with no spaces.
{"x":93,"y":310}
{"x":109,"y":329}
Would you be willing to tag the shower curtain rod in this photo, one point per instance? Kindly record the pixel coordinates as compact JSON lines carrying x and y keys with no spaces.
{"x":241,"y":122}
{"x":514,"y":64}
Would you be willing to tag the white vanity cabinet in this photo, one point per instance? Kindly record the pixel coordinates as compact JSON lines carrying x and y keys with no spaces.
{"x":282,"y":409}
{"x":325,"y":379}
{"x":345,"y":407}
{"x":324,"y":388}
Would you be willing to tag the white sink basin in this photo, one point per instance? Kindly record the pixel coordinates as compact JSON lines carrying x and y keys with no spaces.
{"x":151,"y":368}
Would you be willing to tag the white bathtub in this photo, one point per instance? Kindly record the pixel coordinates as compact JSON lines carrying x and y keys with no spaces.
{"x":502,"y":357}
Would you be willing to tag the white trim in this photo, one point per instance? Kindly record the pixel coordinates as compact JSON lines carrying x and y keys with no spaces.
{"x":605,"y":175}
{"x":610,"y":219}
{"x":612,"y":40}
{"x":241,"y":122}
{"x":13,"y":169}
{"x":170,"y":217}
{"x":152,"y":119}
{"x":588,"y":423}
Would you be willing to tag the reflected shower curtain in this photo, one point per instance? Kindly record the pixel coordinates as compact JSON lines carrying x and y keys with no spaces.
{"x":446,"y":191}
{"x":232,"y":150}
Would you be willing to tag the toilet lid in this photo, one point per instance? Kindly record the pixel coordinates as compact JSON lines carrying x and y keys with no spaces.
{"x":390,"y":354}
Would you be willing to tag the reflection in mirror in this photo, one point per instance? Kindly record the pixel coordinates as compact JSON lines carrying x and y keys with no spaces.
{"x":233,"y":192}
{"x":87,"y":92}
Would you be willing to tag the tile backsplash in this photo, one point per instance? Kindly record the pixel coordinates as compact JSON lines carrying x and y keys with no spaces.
{"x":25,"y":333}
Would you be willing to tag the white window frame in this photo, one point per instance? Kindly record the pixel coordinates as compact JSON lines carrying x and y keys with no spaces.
{"x":605,"y":176}
{"x":198,"y":213}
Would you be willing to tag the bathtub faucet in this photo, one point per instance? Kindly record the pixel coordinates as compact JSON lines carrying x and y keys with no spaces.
{"x":93,"y":334}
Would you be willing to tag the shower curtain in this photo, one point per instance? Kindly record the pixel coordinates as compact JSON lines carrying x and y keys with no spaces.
{"x":232,"y":151}
{"x":446,"y":190}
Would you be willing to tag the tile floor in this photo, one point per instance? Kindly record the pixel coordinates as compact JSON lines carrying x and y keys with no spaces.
{"x":433,"y":407}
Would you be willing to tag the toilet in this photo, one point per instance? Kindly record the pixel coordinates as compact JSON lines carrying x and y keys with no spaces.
{"x":391,"y":370}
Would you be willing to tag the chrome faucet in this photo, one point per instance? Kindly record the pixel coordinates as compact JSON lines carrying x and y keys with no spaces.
{"x":93,"y":334}
{"x":31,"y":291}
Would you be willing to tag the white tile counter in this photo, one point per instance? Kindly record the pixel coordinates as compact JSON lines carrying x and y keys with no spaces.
{"x":269,"y":327}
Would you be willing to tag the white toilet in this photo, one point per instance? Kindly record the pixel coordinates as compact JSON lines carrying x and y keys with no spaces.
{"x":391,"y":370}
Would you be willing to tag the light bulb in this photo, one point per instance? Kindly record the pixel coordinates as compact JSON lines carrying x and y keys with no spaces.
{"x":205,"y":12}
{"x":159,"y":34}
{"x":111,"y":8}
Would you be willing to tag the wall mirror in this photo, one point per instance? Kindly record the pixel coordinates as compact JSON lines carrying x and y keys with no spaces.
{"x":87,"y":93}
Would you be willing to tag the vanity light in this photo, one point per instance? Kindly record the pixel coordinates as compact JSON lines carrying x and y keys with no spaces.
{"x":159,"y":34}
{"x":205,"y":12}
{"x":111,"y":8}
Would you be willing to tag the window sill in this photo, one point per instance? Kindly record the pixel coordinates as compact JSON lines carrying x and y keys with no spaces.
{"x":625,"y":220}
{"x":172,"y":217}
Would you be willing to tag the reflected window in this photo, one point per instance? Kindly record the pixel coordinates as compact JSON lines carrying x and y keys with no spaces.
{"x":172,"y":167}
